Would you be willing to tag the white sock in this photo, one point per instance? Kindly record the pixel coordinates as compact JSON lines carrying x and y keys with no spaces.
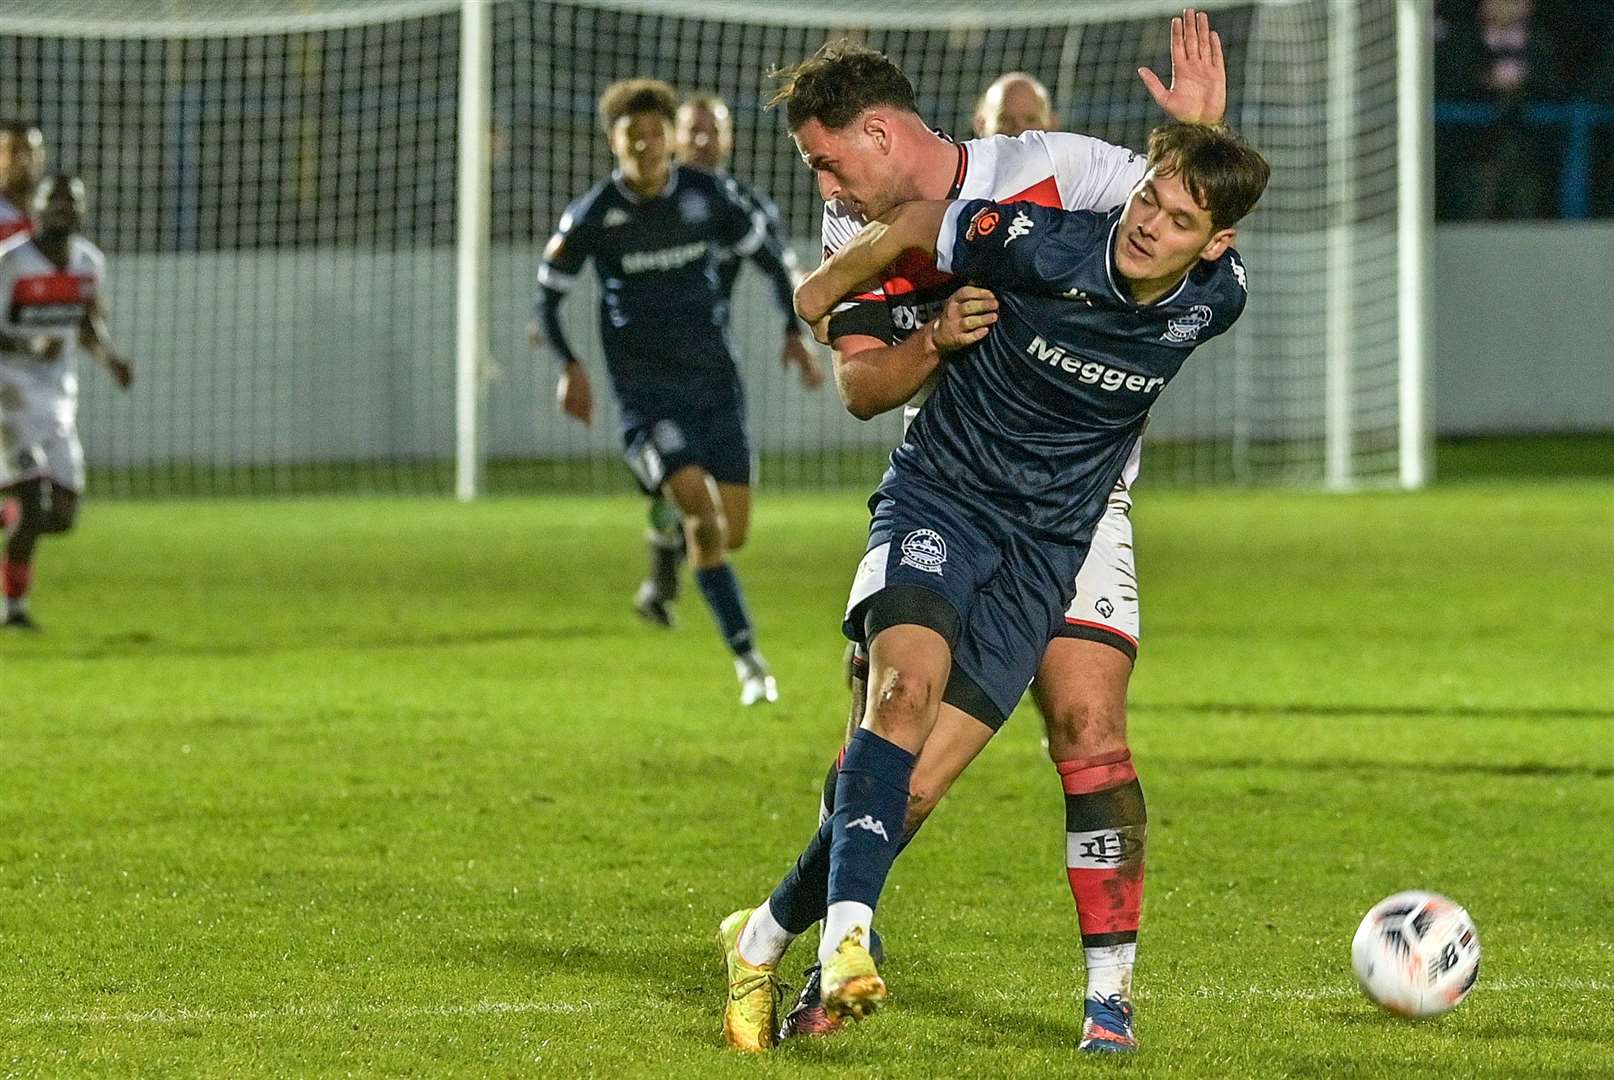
{"x":764,"y":941}
{"x":844,"y":916}
{"x":1109,"y":970}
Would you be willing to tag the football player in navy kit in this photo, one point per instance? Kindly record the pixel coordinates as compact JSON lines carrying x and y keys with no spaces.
{"x":655,"y":230}
{"x":991,"y":501}
{"x":852,"y":114}
{"x":704,"y":137}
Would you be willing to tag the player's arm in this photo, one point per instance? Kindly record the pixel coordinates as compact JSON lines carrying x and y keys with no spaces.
{"x":756,"y":221}
{"x":910,"y":226}
{"x":97,"y":341}
{"x":564,"y":258}
{"x":39,"y":346}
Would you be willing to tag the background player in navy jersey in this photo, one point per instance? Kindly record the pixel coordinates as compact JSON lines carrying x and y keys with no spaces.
{"x":991,"y":501}
{"x":704,"y":137}
{"x":51,"y":286}
{"x":655,"y":231}
{"x":853,"y":115}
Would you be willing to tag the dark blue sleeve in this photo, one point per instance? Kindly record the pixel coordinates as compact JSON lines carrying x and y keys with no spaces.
{"x":564,"y":257}
{"x":774,"y":258}
{"x":740,"y":227}
{"x":1014,"y":245}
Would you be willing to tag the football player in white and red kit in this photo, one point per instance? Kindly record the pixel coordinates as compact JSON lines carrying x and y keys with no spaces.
{"x":50,"y":283}
{"x":22,"y":163}
{"x":853,"y":115}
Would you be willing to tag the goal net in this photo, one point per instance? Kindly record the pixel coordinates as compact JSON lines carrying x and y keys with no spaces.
{"x":276,"y":188}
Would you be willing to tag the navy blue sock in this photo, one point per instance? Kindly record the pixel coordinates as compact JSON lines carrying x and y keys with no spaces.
{"x":871,"y":800}
{"x":722,"y":591}
{"x":802,"y":898}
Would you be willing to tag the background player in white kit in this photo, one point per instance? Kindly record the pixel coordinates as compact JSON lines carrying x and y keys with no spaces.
{"x":852,"y":114}
{"x":22,"y":163}
{"x":50,"y":283}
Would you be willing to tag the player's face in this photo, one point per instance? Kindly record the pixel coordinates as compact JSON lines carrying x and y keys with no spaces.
{"x":854,"y":166}
{"x":1015,"y":109}
{"x":642,"y":144}
{"x":60,"y":208}
{"x":705,"y":136}
{"x":1164,"y":231}
{"x":22,"y":159}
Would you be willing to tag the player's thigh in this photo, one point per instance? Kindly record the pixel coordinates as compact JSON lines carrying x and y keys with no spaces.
{"x":1080,"y":690}
{"x":954,"y":742}
{"x":1016,"y":615}
{"x":736,"y":503}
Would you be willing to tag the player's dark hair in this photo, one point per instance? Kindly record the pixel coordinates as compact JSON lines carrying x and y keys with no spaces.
{"x":1223,"y":173}
{"x":632,"y":96}
{"x":20,"y":128}
{"x":837,"y":83}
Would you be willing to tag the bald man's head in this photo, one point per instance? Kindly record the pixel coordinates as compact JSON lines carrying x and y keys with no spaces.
{"x":1014,"y":103}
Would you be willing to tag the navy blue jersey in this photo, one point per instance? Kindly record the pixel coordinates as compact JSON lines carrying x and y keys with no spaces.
{"x":662,"y":310}
{"x":774,"y":258}
{"x":1035,"y":421}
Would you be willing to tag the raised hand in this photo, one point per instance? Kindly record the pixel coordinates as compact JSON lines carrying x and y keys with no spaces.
{"x":1198,"y":91}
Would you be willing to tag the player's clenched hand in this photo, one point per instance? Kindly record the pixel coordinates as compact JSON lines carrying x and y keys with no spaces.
{"x":45,"y":347}
{"x":797,"y":355}
{"x":535,"y":334}
{"x":575,"y":395}
{"x":966,"y":318}
{"x":1198,"y":93}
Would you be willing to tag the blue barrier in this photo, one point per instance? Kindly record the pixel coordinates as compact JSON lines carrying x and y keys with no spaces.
{"x":1580,"y":118}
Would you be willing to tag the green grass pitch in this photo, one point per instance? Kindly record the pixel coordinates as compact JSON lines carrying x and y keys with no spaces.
{"x":387,"y":788}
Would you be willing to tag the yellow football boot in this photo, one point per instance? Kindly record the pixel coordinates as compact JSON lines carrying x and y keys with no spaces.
{"x":751,"y":1014}
{"x":852,"y":986}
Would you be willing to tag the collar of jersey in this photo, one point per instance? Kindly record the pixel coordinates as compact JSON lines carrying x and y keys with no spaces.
{"x":633,"y":197}
{"x":1115,"y":287}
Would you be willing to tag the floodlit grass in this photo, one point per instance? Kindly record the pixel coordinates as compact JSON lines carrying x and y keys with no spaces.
{"x":366,"y":788}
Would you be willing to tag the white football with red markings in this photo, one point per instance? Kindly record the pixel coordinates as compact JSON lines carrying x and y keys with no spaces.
{"x":1416,"y":954}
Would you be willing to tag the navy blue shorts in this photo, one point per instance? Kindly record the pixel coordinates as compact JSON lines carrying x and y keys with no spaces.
{"x":714,"y":439}
{"x":1009,"y":590}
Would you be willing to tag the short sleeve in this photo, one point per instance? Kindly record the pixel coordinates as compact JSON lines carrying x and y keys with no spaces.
{"x":1002,"y":244}
{"x":568,"y":249}
{"x":741,"y":227}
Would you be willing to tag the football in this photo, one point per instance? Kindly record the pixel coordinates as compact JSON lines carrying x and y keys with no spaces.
{"x":1416,"y":954}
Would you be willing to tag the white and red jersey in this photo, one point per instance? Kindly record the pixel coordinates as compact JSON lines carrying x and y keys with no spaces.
{"x":45,"y":300}
{"x":12,"y":219}
{"x":1049,"y":168}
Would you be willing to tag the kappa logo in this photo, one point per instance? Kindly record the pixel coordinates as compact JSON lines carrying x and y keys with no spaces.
{"x":1186,"y":328}
{"x":1104,"y":607}
{"x":1238,"y":273}
{"x":984,"y":223}
{"x":1018,"y":227}
{"x":614,"y":217}
{"x":1078,"y":294}
{"x":867,"y":822}
{"x":925,"y":550}
{"x":694,"y":208}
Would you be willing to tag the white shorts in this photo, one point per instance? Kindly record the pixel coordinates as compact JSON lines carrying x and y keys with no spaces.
{"x":33,"y":446}
{"x":1106,"y":605}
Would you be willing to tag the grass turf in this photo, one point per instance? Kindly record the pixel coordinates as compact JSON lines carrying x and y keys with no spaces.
{"x":399,"y":788}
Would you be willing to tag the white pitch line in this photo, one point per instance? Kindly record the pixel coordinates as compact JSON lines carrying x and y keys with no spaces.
{"x":297,"y":1012}
{"x":497,"y":1008}
{"x":1318,"y":993}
